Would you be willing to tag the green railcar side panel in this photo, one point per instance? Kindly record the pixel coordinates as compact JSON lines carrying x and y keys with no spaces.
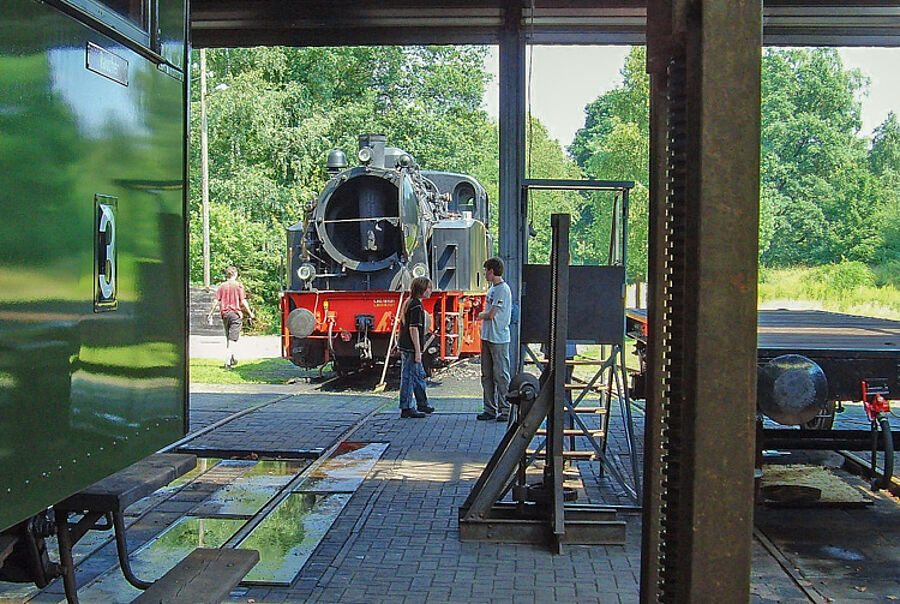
{"x":89,"y":382}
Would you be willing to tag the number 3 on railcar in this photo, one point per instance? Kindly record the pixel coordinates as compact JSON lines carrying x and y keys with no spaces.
{"x":372,"y":230}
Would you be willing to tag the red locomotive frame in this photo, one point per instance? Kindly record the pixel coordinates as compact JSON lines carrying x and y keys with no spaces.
{"x":454,"y":317}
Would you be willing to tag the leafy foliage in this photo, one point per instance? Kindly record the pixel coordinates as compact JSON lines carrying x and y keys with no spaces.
{"x":614,"y":145}
{"x":826,"y":196}
{"x":545,"y":159}
{"x":820,"y":201}
{"x":282,"y":109}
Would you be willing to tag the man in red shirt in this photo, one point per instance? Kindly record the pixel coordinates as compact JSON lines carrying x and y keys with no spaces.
{"x":231,"y":301}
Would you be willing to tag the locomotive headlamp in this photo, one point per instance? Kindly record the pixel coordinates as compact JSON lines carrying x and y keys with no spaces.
{"x":306,"y":272}
{"x":419,"y":270}
{"x":365,"y":155}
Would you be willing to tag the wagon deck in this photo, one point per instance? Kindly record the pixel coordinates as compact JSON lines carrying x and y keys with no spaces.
{"x":849,"y":348}
{"x":780,"y":330}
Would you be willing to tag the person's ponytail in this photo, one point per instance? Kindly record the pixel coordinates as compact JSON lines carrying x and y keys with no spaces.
{"x":417,"y":290}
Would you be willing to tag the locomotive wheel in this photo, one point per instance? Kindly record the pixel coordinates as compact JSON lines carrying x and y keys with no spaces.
{"x":823,"y":421}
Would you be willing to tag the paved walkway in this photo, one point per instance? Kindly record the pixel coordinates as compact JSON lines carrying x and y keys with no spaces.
{"x":397,"y":540}
{"x":248,"y":347}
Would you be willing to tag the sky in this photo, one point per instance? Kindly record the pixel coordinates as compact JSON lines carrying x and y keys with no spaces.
{"x":566,"y":78}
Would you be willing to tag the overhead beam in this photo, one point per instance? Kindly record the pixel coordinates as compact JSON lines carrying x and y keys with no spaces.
{"x":236,"y":23}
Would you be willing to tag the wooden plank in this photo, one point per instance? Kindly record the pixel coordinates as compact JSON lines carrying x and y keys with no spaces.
{"x":205,"y":576}
{"x":118,"y":491}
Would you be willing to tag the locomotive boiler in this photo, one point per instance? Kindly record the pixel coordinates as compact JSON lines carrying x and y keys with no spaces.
{"x":374,"y":228}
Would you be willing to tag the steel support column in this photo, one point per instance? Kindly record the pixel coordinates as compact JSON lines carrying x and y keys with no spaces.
{"x":512,"y":161}
{"x":659,"y":31}
{"x":704,"y":59}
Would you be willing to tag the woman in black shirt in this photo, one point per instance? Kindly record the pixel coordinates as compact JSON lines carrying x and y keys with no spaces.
{"x":412,"y":341}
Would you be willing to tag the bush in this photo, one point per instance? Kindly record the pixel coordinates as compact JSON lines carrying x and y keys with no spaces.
{"x":887,"y":274}
{"x":826,"y":281}
{"x":256,"y":249}
{"x":848,"y":287}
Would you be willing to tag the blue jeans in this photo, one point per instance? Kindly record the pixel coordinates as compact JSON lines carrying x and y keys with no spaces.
{"x":412,"y":380}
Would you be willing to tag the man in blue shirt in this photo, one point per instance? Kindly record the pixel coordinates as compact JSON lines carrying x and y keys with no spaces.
{"x":495,"y":343}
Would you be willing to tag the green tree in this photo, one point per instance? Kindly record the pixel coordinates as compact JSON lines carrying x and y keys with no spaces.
{"x":884,"y":156}
{"x":283,"y":109}
{"x":614,"y":145}
{"x":824,"y":197}
{"x":545,"y":159}
{"x":884,"y":161}
{"x":820,"y":202}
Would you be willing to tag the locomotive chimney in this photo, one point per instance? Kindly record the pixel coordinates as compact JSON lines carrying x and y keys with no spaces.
{"x":375,"y":142}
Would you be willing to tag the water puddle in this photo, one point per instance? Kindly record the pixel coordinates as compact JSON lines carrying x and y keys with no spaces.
{"x":841,"y":553}
{"x":16,"y":593}
{"x":344,"y":471}
{"x":141,"y":506}
{"x":157,"y":557}
{"x":289,"y":535}
{"x":249,"y":493}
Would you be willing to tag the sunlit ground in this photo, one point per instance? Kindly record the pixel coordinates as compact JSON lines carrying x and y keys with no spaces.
{"x":257,"y":371}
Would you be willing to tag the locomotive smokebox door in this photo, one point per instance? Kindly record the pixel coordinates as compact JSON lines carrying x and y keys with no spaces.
{"x":105,"y":256}
{"x":408,"y":207}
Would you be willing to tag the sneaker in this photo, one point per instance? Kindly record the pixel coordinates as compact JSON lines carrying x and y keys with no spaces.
{"x":425,"y":408}
{"x":503,"y":418}
{"x":410,"y":413}
{"x":484,"y":416}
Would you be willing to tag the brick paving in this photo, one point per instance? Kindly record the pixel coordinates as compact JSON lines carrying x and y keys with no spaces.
{"x":397,"y":538}
{"x":398,"y":541}
{"x":302,"y":425}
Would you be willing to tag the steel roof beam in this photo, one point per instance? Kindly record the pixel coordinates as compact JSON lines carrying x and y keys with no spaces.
{"x":229,"y":23}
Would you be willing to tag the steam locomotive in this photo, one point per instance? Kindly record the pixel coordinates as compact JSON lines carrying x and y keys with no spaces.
{"x":372,"y":230}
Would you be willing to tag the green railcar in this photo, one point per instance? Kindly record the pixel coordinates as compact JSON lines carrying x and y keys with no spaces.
{"x":92,"y":242}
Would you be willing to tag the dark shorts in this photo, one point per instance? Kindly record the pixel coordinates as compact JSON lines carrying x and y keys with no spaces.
{"x":232,"y":322}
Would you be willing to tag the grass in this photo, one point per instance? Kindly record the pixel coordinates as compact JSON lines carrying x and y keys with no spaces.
{"x":849,"y":287}
{"x":261,"y":371}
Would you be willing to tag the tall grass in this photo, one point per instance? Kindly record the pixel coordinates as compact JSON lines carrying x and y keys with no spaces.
{"x":850,"y":287}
